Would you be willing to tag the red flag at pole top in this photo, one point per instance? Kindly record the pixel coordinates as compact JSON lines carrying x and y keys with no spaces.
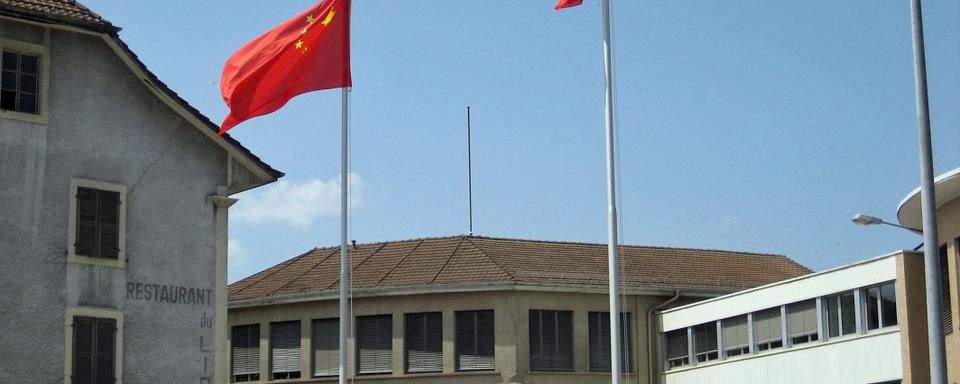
{"x":306,"y":53}
{"x":567,"y":4}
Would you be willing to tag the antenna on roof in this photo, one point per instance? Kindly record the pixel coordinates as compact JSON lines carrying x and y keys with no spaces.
{"x":469,"y":175}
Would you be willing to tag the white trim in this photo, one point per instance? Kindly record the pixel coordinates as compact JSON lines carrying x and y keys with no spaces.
{"x":104,"y":313}
{"x":43,"y":88}
{"x":72,"y":257}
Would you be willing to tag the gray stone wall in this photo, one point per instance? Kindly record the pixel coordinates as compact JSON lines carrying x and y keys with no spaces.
{"x":106,"y":125}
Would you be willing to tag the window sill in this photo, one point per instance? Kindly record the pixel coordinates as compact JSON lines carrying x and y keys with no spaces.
{"x":382,"y":376}
{"x":24,"y":117}
{"x":98,"y":261}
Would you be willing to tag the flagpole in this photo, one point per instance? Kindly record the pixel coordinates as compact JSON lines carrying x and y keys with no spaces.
{"x":611,"y":200}
{"x":344,"y":259}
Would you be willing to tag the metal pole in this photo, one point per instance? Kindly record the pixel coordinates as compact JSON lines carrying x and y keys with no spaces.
{"x":611,"y":200}
{"x":931,"y":255}
{"x":344,"y":258}
{"x":469,"y":173}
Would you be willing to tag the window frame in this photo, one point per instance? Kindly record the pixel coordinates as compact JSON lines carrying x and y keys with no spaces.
{"x":556,"y":313}
{"x":72,"y":256}
{"x":676,"y":361}
{"x":626,"y":341}
{"x":233,"y":376}
{"x":43,"y":86}
{"x":357,"y":347}
{"x":475,"y":328}
{"x":287,"y":375}
{"x":101,"y":313}
{"x":314,"y":335}
{"x":425,"y":327}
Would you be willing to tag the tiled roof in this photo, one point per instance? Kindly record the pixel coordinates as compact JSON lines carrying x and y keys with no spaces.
{"x":65,"y":11}
{"x":460,"y":260}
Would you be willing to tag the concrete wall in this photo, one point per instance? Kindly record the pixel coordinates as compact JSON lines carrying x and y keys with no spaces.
{"x":511,"y":311}
{"x":948,"y":225}
{"x":912,"y":316}
{"x":104,"y":125}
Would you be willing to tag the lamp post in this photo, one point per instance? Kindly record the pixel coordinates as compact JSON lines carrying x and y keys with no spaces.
{"x":862,"y":219}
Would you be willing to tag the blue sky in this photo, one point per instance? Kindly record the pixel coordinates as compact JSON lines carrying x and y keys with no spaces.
{"x":743,"y":125}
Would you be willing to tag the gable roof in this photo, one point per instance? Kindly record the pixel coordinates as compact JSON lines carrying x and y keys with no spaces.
{"x":70,"y":13}
{"x":465,"y":260}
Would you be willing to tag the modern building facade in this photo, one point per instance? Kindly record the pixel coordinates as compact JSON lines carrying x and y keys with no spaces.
{"x":113,"y":210}
{"x":470,"y":309}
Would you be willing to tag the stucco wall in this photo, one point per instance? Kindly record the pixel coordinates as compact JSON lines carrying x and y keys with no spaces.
{"x":511,"y":311}
{"x":104,"y":125}
{"x":948,"y":228}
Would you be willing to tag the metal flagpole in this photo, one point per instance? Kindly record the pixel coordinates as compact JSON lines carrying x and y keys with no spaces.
{"x":931,"y":255}
{"x":344,"y":259}
{"x":469,"y":175}
{"x":611,"y":200}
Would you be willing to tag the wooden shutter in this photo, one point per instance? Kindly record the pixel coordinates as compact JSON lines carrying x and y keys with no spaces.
{"x":599,"y":333}
{"x":86,"y":220}
{"x":424,"y":342}
{"x":374,"y":344}
{"x":245,"y":349}
{"x":326,"y":347}
{"x":551,"y":340}
{"x":109,"y":224}
{"x":285,"y":347}
{"x":677,"y":344}
{"x":802,"y":318}
{"x":766,"y":326}
{"x":735,"y":333}
{"x":94,"y":342}
{"x":475,"y":340}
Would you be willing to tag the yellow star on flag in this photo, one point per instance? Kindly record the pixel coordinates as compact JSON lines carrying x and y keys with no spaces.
{"x":310,"y":19}
{"x":299,"y":44}
{"x":328,"y":19}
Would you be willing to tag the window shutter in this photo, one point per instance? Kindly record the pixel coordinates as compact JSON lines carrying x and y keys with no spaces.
{"x":375,"y":344}
{"x":86,"y":220}
{"x":677,"y":344}
{"x":93,"y":350}
{"x":766,"y":326}
{"x":106,"y":329}
{"x":326,"y":347}
{"x":705,"y":338}
{"x":802,"y":318}
{"x":285,"y":347}
{"x":424,"y":342}
{"x":109,"y":219}
{"x":599,"y":331}
{"x":551,"y":340}
{"x":946,"y":305}
{"x":245,"y":349}
{"x":735,"y":333}
{"x":475,"y":340}
{"x":83,"y":367}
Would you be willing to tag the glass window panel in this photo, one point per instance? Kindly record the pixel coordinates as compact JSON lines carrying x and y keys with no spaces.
{"x":28,"y":103}
{"x":28,"y":83}
{"x":9,"y":82}
{"x":873,"y":308}
{"x":8,"y":100}
{"x":848,"y":314}
{"x":28,"y":64}
{"x":888,"y":304}
{"x":10,"y":60}
{"x":833,"y":315}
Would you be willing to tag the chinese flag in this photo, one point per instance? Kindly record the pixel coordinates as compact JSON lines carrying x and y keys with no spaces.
{"x":567,"y":4}
{"x":306,"y":53}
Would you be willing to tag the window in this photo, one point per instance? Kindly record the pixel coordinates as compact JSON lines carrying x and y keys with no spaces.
{"x":475,"y":340}
{"x":20,"y":82}
{"x":96,"y":223}
{"x":94,"y":350}
{"x":285,"y":350}
{"x":245,"y":353}
{"x":946,"y":307}
{"x":841,"y":314}
{"x":767,"y":329}
{"x":93,"y":346}
{"x":677,"y":354}
{"x":802,"y":322}
{"x":551,"y":340}
{"x":326,"y":347}
{"x":881,"y":306}
{"x":599,"y":324}
{"x":374,"y":344}
{"x":424,"y":342}
{"x":736,"y":340}
{"x":705,"y":342}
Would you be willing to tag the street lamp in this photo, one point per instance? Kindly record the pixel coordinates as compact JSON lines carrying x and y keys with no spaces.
{"x":862,"y":219}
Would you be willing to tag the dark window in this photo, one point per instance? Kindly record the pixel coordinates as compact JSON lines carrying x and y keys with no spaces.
{"x":736,"y":340}
{"x":423,"y":340}
{"x":551,"y":340}
{"x":946,"y":307}
{"x":881,"y":306}
{"x":802,"y":322}
{"x":374,"y":344}
{"x":94,"y":350}
{"x":677,"y":348}
{"x":245,"y":353}
{"x":705,"y":342}
{"x":98,"y":223}
{"x":475,"y":340}
{"x":285,"y":350}
{"x":841,"y":314}
{"x":326,"y":347}
{"x":20,"y":82}
{"x":599,"y":323}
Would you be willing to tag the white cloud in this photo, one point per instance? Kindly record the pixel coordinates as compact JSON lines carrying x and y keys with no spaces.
{"x":297,"y":204}
{"x":236,"y":252}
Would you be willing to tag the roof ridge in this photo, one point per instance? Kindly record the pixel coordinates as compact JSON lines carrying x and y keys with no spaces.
{"x":303,"y":274}
{"x":444,"y":266}
{"x":484,"y":253}
{"x":404,"y":258}
{"x":280,"y":266}
{"x":626,"y":245}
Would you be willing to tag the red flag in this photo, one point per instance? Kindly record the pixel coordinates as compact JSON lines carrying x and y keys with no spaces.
{"x":567,"y":4}
{"x":306,"y":53}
